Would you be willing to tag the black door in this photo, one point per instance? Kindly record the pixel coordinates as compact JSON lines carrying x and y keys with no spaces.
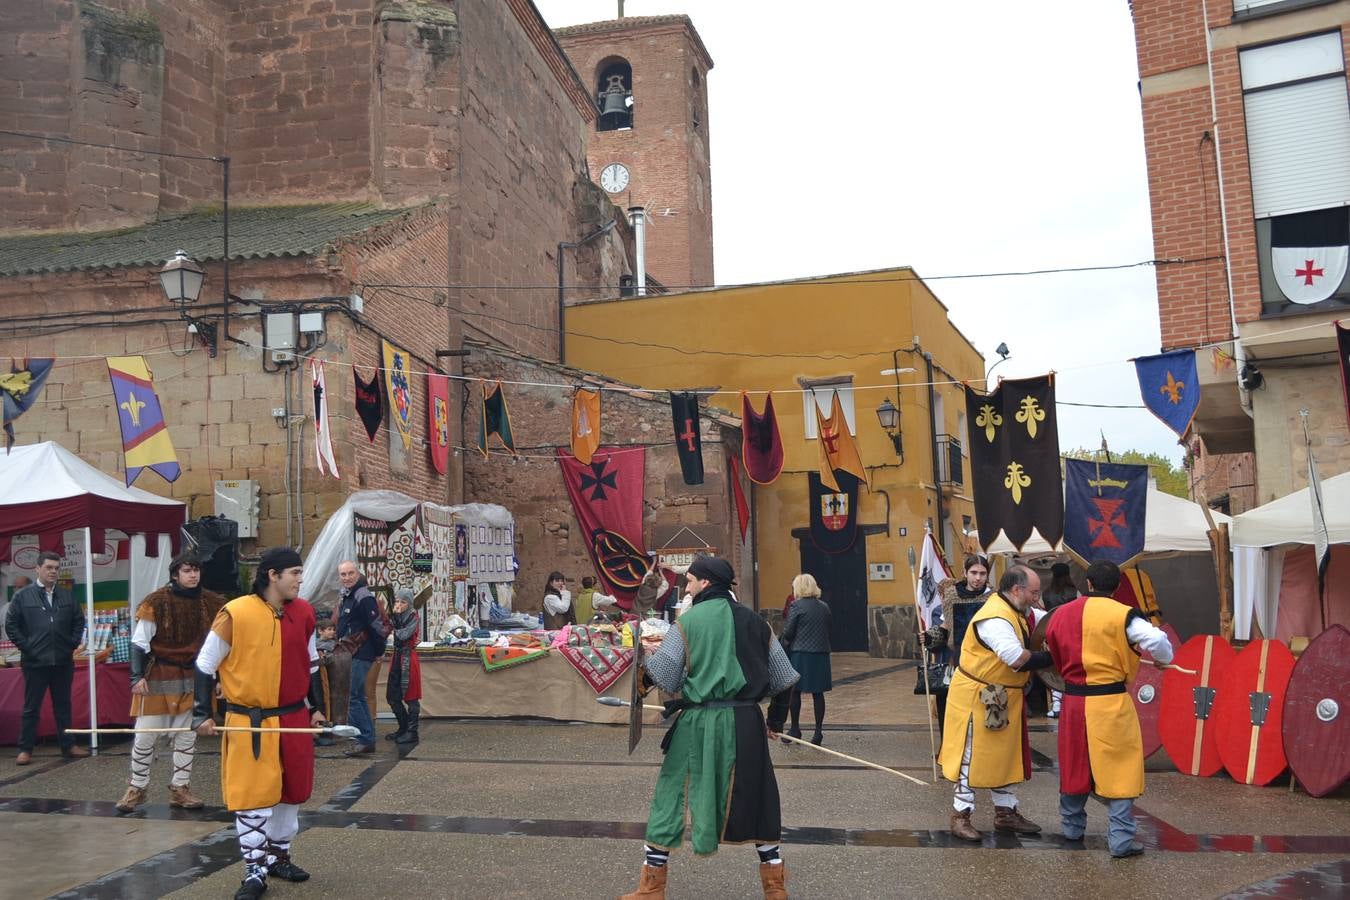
{"x":843,"y":584}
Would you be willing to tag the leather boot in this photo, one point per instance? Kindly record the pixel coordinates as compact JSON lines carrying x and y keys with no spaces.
{"x":183,"y":798}
{"x":133,"y":798}
{"x":961,"y":827}
{"x":652,"y":886}
{"x":402,"y":718}
{"x":774,"y":879}
{"x":1011,"y":820}
{"x":414,"y":717}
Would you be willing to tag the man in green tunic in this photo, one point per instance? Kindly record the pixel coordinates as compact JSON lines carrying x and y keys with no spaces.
{"x":725,"y":660}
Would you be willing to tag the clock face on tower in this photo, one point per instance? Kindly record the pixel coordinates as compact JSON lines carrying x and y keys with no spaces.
{"x":614,"y":177}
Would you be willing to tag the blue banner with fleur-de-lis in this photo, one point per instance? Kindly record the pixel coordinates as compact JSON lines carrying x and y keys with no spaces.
{"x":1014,"y":461}
{"x":1170,"y":387}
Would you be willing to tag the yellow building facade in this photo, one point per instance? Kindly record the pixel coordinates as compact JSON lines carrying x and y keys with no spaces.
{"x":873,"y":338}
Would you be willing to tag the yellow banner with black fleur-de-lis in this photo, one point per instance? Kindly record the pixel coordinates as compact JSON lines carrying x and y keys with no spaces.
{"x":1014,"y":461}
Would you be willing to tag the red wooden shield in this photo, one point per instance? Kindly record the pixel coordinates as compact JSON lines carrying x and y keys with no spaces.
{"x":1317,"y":713}
{"x":1146,"y":691}
{"x":1249,"y":711}
{"x":1185,"y":718}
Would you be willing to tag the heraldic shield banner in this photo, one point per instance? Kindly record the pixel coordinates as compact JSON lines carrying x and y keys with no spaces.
{"x":834,"y":514}
{"x":606,"y":497}
{"x":1170,"y":387}
{"x":1014,"y":461}
{"x":1104,"y":507}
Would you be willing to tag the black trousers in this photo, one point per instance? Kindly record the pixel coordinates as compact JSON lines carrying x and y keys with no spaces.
{"x":37,"y":681}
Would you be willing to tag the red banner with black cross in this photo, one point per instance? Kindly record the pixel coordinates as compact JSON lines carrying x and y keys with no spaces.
{"x":606,"y":497}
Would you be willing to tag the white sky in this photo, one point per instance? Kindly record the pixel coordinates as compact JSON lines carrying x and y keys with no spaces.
{"x":956,"y":138}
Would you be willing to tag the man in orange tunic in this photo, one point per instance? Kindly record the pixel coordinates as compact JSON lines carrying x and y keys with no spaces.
{"x":1093,"y":641}
{"x":261,"y":647}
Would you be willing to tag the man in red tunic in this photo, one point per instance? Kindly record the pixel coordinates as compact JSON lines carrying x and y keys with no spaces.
{"x":1095,"y":643}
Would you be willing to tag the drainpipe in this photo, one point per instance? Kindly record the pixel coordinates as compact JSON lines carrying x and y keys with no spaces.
{"x":1239,"y":353}
{"x":562,"y":282}
{"x":637,"y":215}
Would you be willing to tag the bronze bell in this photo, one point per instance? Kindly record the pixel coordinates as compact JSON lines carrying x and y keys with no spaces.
{"x":614,"y":103}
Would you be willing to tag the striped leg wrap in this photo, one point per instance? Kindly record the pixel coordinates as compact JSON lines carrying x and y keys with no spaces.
{"x":657,"y":858}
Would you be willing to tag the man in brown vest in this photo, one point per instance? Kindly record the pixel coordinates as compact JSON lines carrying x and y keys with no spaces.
{"x":171,"y":624}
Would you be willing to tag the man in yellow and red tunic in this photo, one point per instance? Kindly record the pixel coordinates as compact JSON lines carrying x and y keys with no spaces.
{"x":261,"y":647}
{"x":1093,"y":640}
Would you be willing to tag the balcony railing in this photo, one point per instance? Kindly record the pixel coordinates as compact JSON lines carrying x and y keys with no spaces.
{"x":951,"y":468}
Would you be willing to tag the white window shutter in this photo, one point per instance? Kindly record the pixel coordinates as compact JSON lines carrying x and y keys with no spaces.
{"x":1298,"y":146}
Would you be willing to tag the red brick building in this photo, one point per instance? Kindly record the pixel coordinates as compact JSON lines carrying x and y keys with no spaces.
{"x":656,"y":153}
{"x":426,"y":157}
{"x":1247,"y":133}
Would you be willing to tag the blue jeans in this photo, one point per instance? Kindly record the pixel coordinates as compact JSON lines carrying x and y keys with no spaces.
{"x":358,"y":708}
{"x":1073,"y":816}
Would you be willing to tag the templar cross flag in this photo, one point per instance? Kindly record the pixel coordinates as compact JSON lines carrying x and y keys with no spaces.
{"x":1104,"y":509}
{"x":1309,"y":252}
{"x":688,"y":442}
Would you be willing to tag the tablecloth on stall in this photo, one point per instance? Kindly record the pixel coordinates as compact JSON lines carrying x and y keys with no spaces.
{"x":114,"y":700}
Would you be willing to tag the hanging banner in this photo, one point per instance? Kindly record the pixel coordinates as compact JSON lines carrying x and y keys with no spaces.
{"x":1170,"y":387}
{"x":585,"y":424}
{"x":1309,"y":252}
{"x":834,"y":513}
{"x":838,"y":452}
{"x":761,"y":444}
{"x":495,"y":419}
{"x":1014,"y":461}
{"x":438,"y":420}
{"x":606,"y":497}
{"x":323,"y":436}
{"x":742,"y":508}
{"x":1104,"y":508}
{"x":145,"y":437}
{"x":397,"y":371}
{"x":20,"y":389}
{"x":369,"y":402}
{"x":688,"y":441}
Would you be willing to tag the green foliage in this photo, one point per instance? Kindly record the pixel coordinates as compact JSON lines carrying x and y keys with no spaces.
{"x":1170,"y":477}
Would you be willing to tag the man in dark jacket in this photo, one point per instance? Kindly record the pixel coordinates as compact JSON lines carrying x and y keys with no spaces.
{"x":46,"y":624}
{"x":361,"y":629}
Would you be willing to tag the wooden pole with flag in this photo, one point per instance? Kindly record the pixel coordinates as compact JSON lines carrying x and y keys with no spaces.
{"x":923,"y":659}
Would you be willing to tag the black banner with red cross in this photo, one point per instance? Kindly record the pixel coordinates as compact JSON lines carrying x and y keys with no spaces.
{"x":684,"y":412}
{"x":834,"y":514}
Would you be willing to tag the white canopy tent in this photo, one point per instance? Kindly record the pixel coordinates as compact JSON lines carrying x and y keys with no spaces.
{"x":46,"y":490}
{"x":1171,"y":525}
{"x":1261,"y":537}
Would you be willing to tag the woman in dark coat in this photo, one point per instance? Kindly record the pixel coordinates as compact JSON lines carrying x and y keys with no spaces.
{"x":807,"y":637}
{"x":559,"y":612}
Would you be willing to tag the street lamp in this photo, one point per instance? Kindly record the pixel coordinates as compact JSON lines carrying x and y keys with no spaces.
{"x":181,"y":278}
{"x":1003,"y":352}
{"x":889,"y":417}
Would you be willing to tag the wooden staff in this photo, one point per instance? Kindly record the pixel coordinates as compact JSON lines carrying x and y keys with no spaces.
{"x":349,"y":731}
{"x":615,"y":701}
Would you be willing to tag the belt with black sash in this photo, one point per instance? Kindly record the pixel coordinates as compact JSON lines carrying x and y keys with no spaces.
{"x":1094,"y":690}
{"x":256,"y":714}
{"x":679,"y":705}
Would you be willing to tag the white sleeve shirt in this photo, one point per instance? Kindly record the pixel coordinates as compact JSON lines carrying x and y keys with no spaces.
{"x":1149,"y":638}
{"x":1000,"y":636}
{"x":145,"y":631}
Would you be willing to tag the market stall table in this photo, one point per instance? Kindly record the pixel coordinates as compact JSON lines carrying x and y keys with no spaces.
{"x":114,"y":700}
{"x":546,"y":688}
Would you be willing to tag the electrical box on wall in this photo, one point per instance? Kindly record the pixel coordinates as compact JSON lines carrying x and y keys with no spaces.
{"x":240,"y":501}
{"x":279,"y":333}
{"x":880,"y":572}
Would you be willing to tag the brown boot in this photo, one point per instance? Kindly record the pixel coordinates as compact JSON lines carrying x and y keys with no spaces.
{"x":133,"y":798}
{"x":1011,"y":820}
{"x":774,"y":879}
{"x":183,"y":798}
{"x":652,"y":886}
{"x":962,"y":828}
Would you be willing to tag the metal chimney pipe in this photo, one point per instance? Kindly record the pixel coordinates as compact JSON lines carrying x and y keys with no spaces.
{"x":637,"y":217}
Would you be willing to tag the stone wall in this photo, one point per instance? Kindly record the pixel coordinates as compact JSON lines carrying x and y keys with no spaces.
{"x":531,"y":487}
